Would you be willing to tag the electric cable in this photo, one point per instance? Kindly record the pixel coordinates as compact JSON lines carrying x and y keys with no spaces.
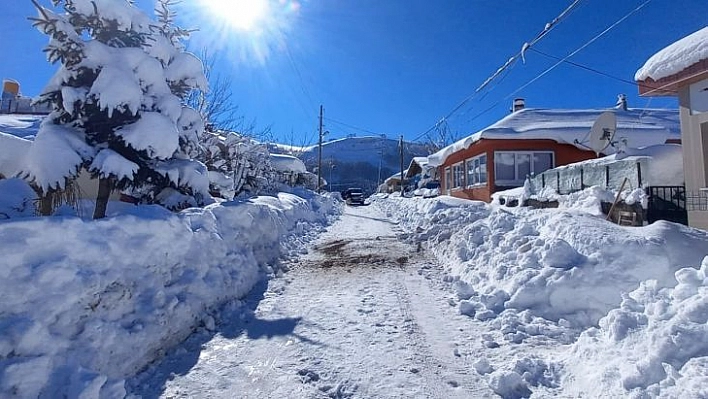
{"x":548,"y":28}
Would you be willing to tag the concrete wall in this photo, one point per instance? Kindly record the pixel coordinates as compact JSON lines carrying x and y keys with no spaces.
{"x":694,"y":136}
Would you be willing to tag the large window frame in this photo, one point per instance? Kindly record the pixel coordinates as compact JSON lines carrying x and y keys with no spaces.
{"x":519,"y":167}
{"x":458,"y":175}
{"x":448,"y":179}
{"x":476,"y":171}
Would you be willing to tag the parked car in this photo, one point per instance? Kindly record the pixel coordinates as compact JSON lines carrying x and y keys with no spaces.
{"x":353,"y":196}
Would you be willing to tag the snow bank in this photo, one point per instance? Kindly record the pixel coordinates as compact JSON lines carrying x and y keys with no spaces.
{"x":676,"y":57}
{"x":13,"y":152}
{"x":17,"y":199}
{"x":561,"y":264}
{"x":654,"y":344}
{"x":25,"y":126}
{"x":626,"y":298}
{"x":88,"y":303}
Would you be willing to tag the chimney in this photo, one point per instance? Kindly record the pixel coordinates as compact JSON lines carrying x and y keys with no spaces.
{"x":621,"y":102}
{"x":519,"y":104}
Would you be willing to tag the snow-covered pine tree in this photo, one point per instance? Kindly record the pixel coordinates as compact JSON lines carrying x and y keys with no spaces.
{"x":118,"y":104}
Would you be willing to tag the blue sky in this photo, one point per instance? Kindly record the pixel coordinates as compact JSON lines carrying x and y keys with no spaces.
{"x":397,"y":66}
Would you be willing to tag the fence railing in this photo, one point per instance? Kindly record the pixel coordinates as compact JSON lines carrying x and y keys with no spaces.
{"x":22,"y":105}
{"x":570,"y":179}
{"x":697,"y":201}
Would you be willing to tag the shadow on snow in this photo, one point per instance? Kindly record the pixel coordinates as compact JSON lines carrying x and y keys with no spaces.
{"x":233,"y":322}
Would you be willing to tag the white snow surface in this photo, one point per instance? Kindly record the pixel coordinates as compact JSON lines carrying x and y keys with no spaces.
{"x":56,"y":153}
{"x":89,"y":303}
{"x":25,"y":126}
{"x":12,"y":155}
{"x":154,"y":133}
{"x":632,"y":302}
{"x":287,"y":163}
{"x":676,"y":57}
{"x":637,"y":127}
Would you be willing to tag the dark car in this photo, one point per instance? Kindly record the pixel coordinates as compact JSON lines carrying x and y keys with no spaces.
{"x":353,"y":196}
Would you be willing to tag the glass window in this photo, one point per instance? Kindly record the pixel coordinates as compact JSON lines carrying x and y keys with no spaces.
{"x":512,"y":168}
{"x":504,"y":166}
{"x":448,"y":179}
{"x":458,"y":175}
{"x":523,"y":165}
{"x":542,"y":161}
{"x":476,"y":170}
{"x":470,"y":172}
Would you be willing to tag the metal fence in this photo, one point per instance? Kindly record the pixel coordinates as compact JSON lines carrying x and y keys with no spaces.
{"x":697,"y":201}
{"x":667,"y":203}
{"x":22,"y":105}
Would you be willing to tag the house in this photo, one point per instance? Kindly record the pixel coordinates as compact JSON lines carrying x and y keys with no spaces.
{"x":392,"y":184}
{"x":681,"y":70}
{"x":530,"y":141}
{"x":13,"y":102}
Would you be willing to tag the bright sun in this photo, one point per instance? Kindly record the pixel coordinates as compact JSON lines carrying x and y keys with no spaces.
{"x":241,"y":14}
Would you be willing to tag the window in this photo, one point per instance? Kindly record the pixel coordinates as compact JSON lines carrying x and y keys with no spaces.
{"x":458,"y":175}
{"x":511,"y":168}
{"x":448,"y":179}
{"x":476,"y":170}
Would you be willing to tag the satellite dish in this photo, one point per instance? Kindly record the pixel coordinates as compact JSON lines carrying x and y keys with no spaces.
{"x":601,"y":133}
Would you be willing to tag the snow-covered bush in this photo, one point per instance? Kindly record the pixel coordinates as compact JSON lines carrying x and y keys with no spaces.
{"x":237,"y":164}
{"x":118,"y":103}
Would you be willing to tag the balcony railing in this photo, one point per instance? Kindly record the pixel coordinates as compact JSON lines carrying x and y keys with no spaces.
{"x":697,"y":201}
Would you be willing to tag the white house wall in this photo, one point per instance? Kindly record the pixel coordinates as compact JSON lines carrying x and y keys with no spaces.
{"x":694,"y":137}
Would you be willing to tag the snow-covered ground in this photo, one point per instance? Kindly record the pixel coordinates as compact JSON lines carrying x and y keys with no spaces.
{"x":361,"y":315}
{"x":87,"y":304}
{"x":407,"y":297}
{"x":624,"y":310}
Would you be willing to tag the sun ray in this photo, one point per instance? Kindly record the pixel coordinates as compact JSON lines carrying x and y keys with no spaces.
{"x":249,"y":31}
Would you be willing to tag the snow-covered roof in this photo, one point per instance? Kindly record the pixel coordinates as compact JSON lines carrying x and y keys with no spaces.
{"x":676,"y":57}
{"x":639,"y":127}
{"x":422,"y":161}
{"x":287,"y":163}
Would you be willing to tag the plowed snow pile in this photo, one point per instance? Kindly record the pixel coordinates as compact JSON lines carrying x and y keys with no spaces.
{"x":632,"y":301}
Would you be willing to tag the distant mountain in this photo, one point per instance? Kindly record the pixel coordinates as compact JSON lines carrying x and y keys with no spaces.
{"x":357,"y":161}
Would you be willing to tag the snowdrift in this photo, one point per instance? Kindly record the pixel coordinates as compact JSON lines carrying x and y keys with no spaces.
{"x":559,"y":265}
{"x":87,"y":304}
{"x":655,"y":343}
{"x":628,"y":300}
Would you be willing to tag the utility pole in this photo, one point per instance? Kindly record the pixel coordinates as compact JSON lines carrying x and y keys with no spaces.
{"x":319,"y":161}
{"x":400,"y":144}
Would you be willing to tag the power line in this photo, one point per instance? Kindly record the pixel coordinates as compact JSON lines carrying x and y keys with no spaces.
{"x":350,"y":126}
{"x":509,"y":64}
{"x":564,"y":59}
{"x":587,"y":68}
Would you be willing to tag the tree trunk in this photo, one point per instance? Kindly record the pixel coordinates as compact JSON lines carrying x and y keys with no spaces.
{"x":45,"y":203}
{"x":104,"y":192}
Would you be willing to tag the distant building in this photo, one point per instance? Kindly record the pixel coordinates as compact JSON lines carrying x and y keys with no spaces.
{"x":13,"y":102}
{"x":681,"y":70}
